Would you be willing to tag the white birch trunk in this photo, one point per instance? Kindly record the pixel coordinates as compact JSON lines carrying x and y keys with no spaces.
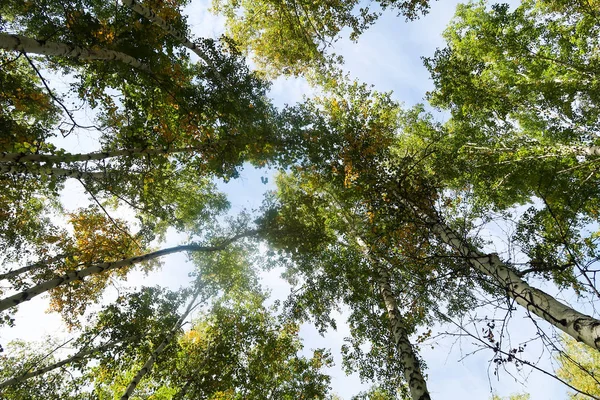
{"x":43,"y":287}
{"x":100,"y":155}
{"x":161,"y":347}
{"x":74,"y":358}
{"x":583,"y":150}
{"x":545,"y":150}
{"x":56,"y":172}
{"x":411,"y":367}
{"x":410,"y":364}
{"x":158,"y":21}
{"x":29,"y":45}
{"x":31,"y":267}
{"x":583,"y":328}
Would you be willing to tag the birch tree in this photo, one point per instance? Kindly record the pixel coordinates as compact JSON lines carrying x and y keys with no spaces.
{"x":81,"y":292}
{"x":291,"y":37}
{"x":521,"y":87}
{"x":116,"y":334}
{"x":392,"y":174}
{"x":165,"y":124}
{"x":165,"y":127}
{"x":339,"y":238}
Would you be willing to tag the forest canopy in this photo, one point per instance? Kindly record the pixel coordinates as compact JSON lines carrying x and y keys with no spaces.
{"x":470,"y":217}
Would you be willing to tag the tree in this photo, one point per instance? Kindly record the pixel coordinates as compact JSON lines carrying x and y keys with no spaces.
{"x":291,"y":37}
{"x":368,"y":213}
{"x":174,"y":126}
{"x":166,"y":128}
{"x":521,"y":88}
{"x":345,"y":242}
{"x":579,"y":367}
{"x":395,"y":187}
{"x":236,"y":348}
{"x":118,"y":334}
{"x":524,"y":396}
{"x":99,"y":272}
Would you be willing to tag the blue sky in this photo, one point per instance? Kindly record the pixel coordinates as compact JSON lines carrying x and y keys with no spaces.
{"x":387,"y":56}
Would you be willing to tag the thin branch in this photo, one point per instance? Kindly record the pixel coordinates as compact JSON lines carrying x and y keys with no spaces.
{"x":54,"y":97}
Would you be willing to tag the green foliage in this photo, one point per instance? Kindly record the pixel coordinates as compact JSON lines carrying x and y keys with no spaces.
{"x":524,"y":396}
{"x":342,"y":192}
{"x":363,"y":180}
{"x":237,"y":349}
{"x":290,"y":37}
{"x":521,"y":86}
{"x":376,"y":393}
{"x":580,"y":367}
{"x":129,"y":325}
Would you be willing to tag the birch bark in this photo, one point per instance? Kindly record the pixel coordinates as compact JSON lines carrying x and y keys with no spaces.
{"x":74,"y":358}
{"x":31,"y":267}
{"x":101,"y":155}
{"x":409,"y":362}
{"x":57,"y":172}
{"x":28,"y":45}
{"x":583,"y":328}
{"x":411,"y":367}
{"x":43,"y":287}
{"x":545,"y":150}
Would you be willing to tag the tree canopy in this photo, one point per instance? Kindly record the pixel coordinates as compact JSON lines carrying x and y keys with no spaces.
{"x":378,"y":211}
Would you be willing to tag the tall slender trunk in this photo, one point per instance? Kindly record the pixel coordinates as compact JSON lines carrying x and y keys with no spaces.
{"x":147,"y":367}
{"x":411,"y":367}
{"x":586,"y":151}
{"x":100,"y":155}
{"x":43,"y":287}
{"x":31,"y":267}
{"x":28,"y":45}
{"x":158,"y":21}
{"x":410,"y":364}
{"x":16,"y":169}
{"x":545,"y":151}
{"x":74,"y":358}
{"x":583,"y":328}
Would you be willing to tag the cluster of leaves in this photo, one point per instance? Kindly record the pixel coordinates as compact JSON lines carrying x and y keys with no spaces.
{"x":290,"y":37}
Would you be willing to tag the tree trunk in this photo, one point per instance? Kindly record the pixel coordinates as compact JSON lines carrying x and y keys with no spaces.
{"x":583,"y":328}
{"x":43,"y":287}
{"x":155,"y":19}
{"x":101,"y":155}
{"x":28,"y":45}
{"x":31,"y":267}
{"x":74,"y":358}
{"x":161,"y":347}
{"x":545,"y":150}
{"x":587,"y":151}
{"x":410,"y":364}
{"x":56,"y":172}
{"x":411,"y":367}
